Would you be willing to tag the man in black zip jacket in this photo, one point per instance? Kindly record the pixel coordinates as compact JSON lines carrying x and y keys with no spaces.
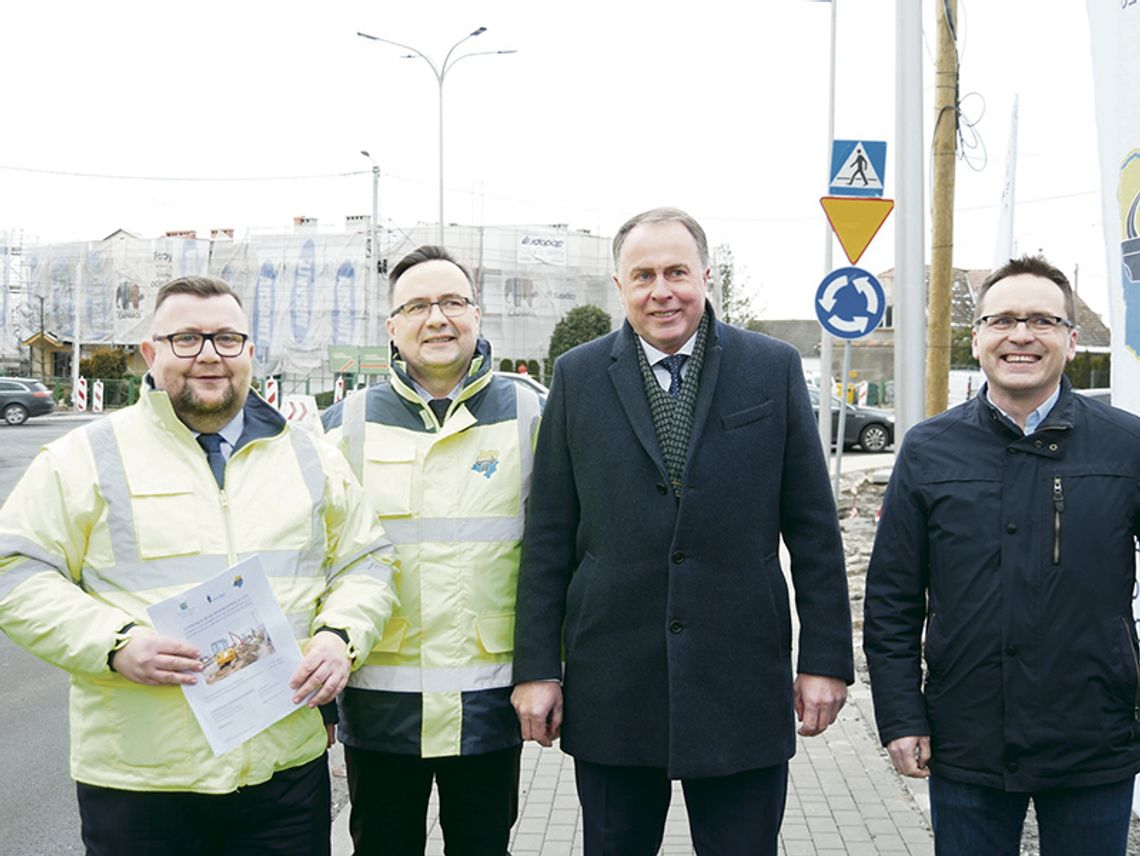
{"x":1009,"y":532}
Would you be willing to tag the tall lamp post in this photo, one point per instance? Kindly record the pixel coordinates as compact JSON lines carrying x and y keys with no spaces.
{"x":41,"y":298}
{"x":372,"y":296}
{"x":440,"y":71}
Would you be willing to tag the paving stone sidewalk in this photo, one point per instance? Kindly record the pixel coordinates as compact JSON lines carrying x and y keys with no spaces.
{"x":843,"y":798}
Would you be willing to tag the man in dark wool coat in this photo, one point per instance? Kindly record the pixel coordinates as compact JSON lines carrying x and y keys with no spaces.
{"x":673,"y":455}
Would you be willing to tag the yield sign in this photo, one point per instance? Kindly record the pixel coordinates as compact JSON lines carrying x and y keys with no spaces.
{"x":855,"y":221}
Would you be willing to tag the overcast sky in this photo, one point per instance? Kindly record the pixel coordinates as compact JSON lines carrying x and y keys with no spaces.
{"x":608,"y":108}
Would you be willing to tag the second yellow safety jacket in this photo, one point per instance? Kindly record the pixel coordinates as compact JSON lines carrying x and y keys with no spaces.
{"x":451,"y":498}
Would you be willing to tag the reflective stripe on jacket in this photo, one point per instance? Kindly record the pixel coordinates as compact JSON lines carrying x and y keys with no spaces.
{"x":125,"y":512}
{"x":452,"y":499}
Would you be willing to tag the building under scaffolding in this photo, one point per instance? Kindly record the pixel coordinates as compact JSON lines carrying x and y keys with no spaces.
{"x":304,"y":291}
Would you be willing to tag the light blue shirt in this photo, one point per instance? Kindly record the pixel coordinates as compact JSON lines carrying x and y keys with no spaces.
{"x":427,"y":396}
{"x":1033,"y":420}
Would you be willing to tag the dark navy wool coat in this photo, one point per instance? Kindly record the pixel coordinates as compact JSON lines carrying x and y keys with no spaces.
{"x":675,"y":613}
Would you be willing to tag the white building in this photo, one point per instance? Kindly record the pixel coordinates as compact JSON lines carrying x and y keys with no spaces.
{"x":304,"y":290}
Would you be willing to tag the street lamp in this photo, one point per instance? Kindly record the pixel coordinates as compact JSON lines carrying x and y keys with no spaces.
{"x":41,"y":298}
{"x":372,"y":297}
{"x":440,"y":71}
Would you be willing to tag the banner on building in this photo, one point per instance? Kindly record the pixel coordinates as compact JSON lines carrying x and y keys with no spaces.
{"x":1114,"y":29}
{"x":541,"y":249}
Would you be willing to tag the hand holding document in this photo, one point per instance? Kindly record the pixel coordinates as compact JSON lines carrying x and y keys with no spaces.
{"x":324,"y":671}
{"x":247,"y":651}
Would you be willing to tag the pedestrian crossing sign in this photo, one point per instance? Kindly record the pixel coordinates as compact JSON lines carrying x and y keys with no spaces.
{"x":857,"y":167}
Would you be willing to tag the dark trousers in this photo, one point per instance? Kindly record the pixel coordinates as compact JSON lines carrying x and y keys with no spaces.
{"x":624,"y":808}
{"x":974,"y":819}
{"x":478,"y":801}
{"x":286,"y":816}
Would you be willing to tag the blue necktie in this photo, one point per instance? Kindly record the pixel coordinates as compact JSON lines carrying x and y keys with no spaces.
{"x":673,"y":365}
{"x":212,"y":443}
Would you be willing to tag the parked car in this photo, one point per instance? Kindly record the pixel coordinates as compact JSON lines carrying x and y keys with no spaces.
{"x":526,"y":380}
{"x":869,"y":428}
{"x":21,"y":398}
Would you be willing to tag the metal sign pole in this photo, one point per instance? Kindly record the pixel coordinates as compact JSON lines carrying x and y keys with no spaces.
{"x":842,"y":426}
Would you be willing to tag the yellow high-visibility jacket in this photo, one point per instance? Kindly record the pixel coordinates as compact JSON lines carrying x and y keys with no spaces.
{"x":125,"y":511}
{"x":452,"y":499}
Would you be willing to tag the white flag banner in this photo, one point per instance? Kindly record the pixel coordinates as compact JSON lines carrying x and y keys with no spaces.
{"x":1004,"y":249}
{"x":1114,"y":29}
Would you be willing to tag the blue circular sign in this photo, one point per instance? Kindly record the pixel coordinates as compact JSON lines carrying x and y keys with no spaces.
{"x":850,"y":303}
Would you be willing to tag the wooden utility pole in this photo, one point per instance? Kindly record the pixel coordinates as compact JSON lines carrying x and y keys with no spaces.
{"x":942,"y":208}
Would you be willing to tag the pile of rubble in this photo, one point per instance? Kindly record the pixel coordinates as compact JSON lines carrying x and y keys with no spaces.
{"x":860,"y":500}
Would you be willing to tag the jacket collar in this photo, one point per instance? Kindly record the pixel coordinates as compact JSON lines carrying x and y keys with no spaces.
{"x":1051,"y":435}
{"x":261,"y":418}
{"x":479,"y":376}
{"x":625,"y":374}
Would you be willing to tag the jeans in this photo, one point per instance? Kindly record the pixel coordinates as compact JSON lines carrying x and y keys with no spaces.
{"x":973,"y":819}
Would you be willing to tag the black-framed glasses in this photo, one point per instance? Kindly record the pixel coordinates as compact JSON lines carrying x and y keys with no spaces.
{"x":190,"y":345}
{"x":452,"y":307}
{"x":1034,"y":323}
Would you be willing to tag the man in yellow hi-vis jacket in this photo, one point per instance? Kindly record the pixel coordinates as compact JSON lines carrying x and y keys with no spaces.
{"x":147,"y":502}
{"x":444,"y":453}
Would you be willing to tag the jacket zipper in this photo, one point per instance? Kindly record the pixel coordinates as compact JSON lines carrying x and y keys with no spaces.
{"x":1136,"y":665}
{"x":231,"y":553}
{"x":1058,"y":507}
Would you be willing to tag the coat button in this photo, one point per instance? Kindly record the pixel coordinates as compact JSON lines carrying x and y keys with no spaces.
{"x":661,"y":489}
{"x":678,"y":557}
{"x":1011,"y":650}
{"x":1011,"y":528}
{"x":675,"y":626}
{"x":1052,"y":447}
{"x":1038,"y":444}
{"x":1011,"y":766}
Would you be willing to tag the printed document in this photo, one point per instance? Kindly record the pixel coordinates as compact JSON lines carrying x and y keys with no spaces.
{"x":247,"y":648}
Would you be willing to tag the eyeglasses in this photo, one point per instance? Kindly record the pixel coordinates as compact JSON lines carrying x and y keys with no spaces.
{"x":190,"y":345}
{"x":452,"y":307}
{"x":1034,"y":323}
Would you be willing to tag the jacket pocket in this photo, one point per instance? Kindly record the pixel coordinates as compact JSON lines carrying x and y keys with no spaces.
{"x":388,"y":470}
{"x":393,"y":639}
{"x":778,"y":592}
{"x":166,"y":518}
{"x":932,"y":644}
{"x":496,"y":632}
{"x":749,"y":414}
{"x":577,"y":598}
{"x":1131,"y":663}
{"x":149,"y":725}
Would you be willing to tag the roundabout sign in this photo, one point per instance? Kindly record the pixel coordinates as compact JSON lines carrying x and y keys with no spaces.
{"x":850,"y":303}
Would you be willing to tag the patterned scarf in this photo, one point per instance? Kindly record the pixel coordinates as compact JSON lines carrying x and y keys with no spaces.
{"x":673,"y":417}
